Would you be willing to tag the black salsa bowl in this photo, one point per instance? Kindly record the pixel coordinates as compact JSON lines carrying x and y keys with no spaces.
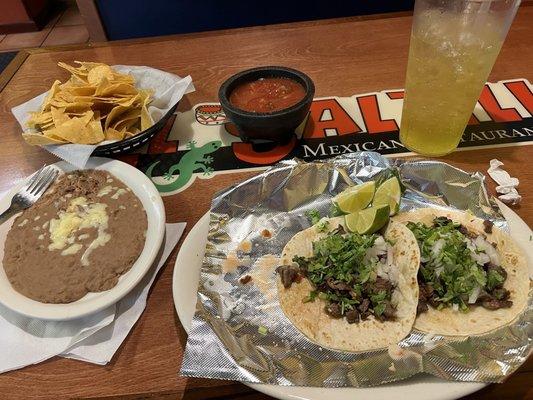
{"x":134,"y":142}
{"x":276,"y":126}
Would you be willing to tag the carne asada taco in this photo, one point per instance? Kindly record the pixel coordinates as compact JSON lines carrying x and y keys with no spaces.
{"x":472,"y":279}
{"x":347,"y":291}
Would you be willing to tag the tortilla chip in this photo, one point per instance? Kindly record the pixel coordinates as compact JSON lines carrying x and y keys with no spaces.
{"x":79,"y":107}
{"x":51,"y":93}
{"x":97,"y":74}
{"x":75,"y":81}
{"x":38,"y":139}
{"x":87,"y":65}
{"x":113,"y":134}
{"x":80,"y":90}
{"x":73,"y":130}
{"x":59,"y":116}
{"x":45,"y":127}
{"x":127,"y":115}
{"x":146,"y":118}
{"x":130,"y":101}
{"x":80,"y":73}
{"x":128,"y":125}
{"x":114,"y":115}
{"x":95,"y":131}
{"x":39,"y":118}
{"x":115,"y":90}
{"x":123,"y":78}
{"x":96,"y":103}
{"x":51,"y":133}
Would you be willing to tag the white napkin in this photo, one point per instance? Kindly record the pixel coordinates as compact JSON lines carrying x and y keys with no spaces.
{"x":96,"y":338}
{"x":168,"y":90}
{"x":507,"y":185}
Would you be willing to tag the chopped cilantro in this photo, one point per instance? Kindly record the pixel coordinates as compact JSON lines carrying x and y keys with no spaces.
{"x":341,"y":274}
{"x":378,"y":297}
{"x":312,"y":296}
{"x":313,"y":215}
{"x":323,"y":226}
{"x":335,"y":211}
{"x":448,"y":266}
{"x":322,"y":295}
{"x":262,"y":330}
{"x":339,"y":257}
{"x":494,"y":279}
{"x":379,"y":309}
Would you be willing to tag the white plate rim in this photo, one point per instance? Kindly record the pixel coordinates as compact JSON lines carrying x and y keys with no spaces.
{"x":144,"y":189}
{"x":418,"y":387}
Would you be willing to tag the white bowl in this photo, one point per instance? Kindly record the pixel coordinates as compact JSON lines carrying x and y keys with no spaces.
{"x":93,"y":302}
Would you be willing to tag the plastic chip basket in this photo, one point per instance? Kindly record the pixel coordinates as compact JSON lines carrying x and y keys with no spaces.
{"x":134,"y":142}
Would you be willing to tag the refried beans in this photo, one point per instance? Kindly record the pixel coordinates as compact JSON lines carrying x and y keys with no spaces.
{"x":81,"y":236}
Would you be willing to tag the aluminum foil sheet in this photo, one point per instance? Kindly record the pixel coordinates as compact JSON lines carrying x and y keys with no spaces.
{"x":239,"y":332}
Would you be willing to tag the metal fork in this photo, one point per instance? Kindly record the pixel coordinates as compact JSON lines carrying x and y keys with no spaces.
{"x":31,"y":191}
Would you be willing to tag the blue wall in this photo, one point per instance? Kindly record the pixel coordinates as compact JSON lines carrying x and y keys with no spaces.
{"x":125,"y":19}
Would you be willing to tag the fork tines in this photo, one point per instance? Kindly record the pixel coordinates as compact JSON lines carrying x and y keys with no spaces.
{"x":41,"y":180}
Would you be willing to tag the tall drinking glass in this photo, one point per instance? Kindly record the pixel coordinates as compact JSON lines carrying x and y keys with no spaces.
{"x":454,"y":44}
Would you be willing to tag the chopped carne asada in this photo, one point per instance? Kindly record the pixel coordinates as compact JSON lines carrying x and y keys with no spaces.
{"x":351,"y":273}
{"x":288,"y":275}
{"x":458,"y":268}
{"x":487,"y":226}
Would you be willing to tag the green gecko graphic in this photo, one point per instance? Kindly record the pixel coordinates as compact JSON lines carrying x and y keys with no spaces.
{"x":191,"y":161}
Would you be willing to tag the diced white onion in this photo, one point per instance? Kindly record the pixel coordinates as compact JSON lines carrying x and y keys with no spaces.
{"x":437,"y":247}
{"x":474,"y":295}
{"x":380,"y":243}
{"x":396,"y":298}
{"x":455,"y":307}
{"x":379,"y":248}
{"x":394,"y":274}
{"x":486,"y":248}
{"x":387,"y":269}
{"x":480,"y":258}
{"x":493,"y":254}
{"x":470,"y":245}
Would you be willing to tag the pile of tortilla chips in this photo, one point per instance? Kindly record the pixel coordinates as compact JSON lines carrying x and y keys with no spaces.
{"x":95,"y":104}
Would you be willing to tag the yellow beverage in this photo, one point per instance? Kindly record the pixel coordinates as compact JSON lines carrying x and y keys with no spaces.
{"x":450,"y":57}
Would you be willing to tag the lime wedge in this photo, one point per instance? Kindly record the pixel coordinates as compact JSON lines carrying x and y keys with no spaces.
{"x":369,"y":220}
{"x":388,"y":193}
{"x":355,"y":198}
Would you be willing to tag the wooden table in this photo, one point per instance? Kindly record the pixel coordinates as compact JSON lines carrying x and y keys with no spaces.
{"x":343,"y":57}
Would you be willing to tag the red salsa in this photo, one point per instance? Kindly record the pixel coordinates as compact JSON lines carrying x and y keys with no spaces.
{"x":267,"y":95}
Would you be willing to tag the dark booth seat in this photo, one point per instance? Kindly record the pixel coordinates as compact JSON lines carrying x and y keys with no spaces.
{"x":124,"y":19}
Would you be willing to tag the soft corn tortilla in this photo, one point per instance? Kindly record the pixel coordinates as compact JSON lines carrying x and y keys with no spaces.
{"x":478,"y":320}
{"x":311,"y":319}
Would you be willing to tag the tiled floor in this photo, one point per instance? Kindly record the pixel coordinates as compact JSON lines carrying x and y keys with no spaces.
{"x":66,"y":27}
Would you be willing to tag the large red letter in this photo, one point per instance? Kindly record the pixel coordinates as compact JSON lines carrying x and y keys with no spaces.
{"x":372,"y":116}
{"x":396,"y":95}
{"x":492,"y":107}
{"x":473,"y":120}
{"x":522,"y":93}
